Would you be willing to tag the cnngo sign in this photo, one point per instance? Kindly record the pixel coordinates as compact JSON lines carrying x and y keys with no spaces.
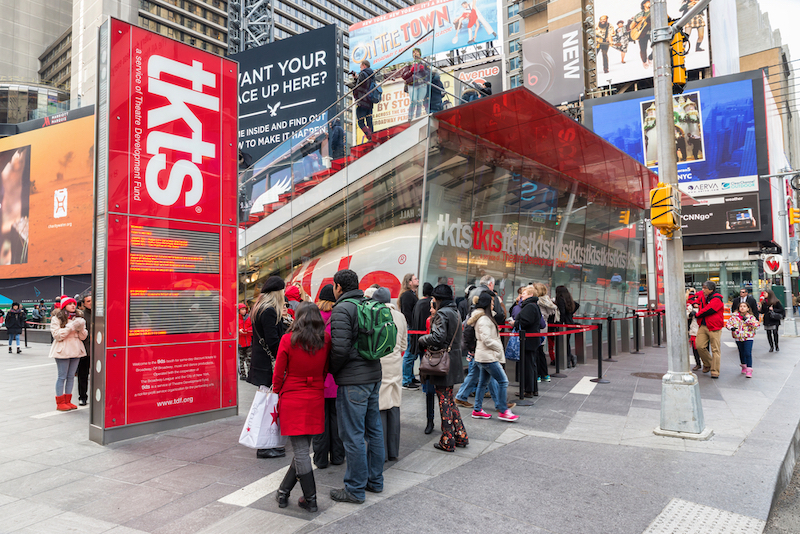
{"x":159,"y":143}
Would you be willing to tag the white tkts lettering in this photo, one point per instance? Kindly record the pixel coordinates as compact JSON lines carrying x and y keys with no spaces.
{"x":177,"y":108}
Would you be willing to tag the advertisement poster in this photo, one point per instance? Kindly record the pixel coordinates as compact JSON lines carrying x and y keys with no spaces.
{"x":623,"y":39}
{"x":165,"y":263}
{"x":723,"y":214}
{"x":552,"y":65}
{"x":46,"y":197}
{"x":283,"y":86}
{"x":450,"y":24}
{"x":478,"y":74}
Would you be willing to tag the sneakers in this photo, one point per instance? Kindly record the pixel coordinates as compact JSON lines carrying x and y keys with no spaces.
{"x":508,"y":417}
{"x":538,"y":379}
{"x":744,"y":367}
{"x":412,"y":386}
{"x":463,"y":404}
{"x":509,"y":406}
{"x":749,"y":373}
{"x":19,"y":350}
{"x":547,"y":378}
{"x":342,"y":495}
{"x":480,"y":415}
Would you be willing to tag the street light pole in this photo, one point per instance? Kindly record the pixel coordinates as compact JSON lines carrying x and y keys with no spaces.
{"x":681,"y":410}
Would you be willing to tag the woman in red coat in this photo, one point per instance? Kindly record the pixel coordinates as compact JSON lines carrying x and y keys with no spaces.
{"x":299,"y":378}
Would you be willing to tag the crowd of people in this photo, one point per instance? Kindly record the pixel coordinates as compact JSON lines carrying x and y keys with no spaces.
{"x":338,"y":404}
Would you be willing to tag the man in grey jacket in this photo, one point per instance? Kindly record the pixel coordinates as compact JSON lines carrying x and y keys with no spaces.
{"x":357,"y":407}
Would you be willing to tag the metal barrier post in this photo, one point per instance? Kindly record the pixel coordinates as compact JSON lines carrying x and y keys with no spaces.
{"x":580,"y":347}
{"x":559,"y":355}
{"x":637,"y":335}
{"x":25,"y":330}
{"x":658,"y":329}
{"x":612,"y":340}
{"x":625,"y":335}
{"x":599,"y":379}
{"x":521,"y":367}
{"x":648,"y":330}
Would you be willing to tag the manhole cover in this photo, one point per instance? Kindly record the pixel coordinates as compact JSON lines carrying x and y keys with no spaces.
{"x":654,"y":376}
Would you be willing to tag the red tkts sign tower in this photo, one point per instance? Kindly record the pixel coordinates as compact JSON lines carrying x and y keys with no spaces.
{"x":164,"y":337}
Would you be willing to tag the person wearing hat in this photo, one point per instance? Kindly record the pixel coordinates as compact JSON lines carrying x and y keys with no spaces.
{"x":268,"y":328}
{"x":68,"y":328}
{"x":245,"y":341}
{"x":85,"y":365}
{"x":15,"y":322}
{"x":328,"y":446}
{"x":392,"y":378}
{"x":446,"y":333}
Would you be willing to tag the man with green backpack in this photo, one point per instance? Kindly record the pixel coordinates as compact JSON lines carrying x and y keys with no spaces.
{"x":362,"y":331}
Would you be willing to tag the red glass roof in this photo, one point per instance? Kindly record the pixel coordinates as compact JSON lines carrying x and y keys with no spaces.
{"x":522,"y":123}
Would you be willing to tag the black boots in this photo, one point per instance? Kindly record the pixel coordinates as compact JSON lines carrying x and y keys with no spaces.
{"x":429,"y":397}
{"x":429,"y":426}
{"x":309,"y":499}
{"x":282,"y":496}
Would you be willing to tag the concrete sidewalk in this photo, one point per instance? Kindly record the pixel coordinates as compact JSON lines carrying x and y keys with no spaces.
{"x":583,"y":459}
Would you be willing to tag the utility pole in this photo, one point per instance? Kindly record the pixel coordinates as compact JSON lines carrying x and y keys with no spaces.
{"x":681,"y":410}
{"x":779,"y":180}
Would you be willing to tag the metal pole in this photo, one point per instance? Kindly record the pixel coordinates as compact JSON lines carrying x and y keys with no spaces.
{"x":787,"y":272}
{"x":636,"y":334}
{"x":599,"y":379}
{"x":559,"y":353}
{"x":612,"y":340}
{"x":681,"y":410}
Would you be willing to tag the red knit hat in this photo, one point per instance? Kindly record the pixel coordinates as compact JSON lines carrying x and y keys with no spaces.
{"x":293,"y":293}
{"x":65,"y":299}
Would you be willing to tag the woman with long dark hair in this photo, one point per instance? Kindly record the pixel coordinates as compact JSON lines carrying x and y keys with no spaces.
{"x":69,"y":330}
{"x":772,"y":311}
{"x":446,"y":333}
{"x":566,"y":309}
{"x":300,"y":369}
{"x":266,"y":318}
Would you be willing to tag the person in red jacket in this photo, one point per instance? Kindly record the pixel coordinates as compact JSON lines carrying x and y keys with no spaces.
{"x":299,"y":379}
{"x":245,"y":341}
{"x":711,"y":321}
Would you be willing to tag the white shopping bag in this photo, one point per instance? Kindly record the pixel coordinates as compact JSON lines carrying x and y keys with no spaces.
{"x":262,"y":429}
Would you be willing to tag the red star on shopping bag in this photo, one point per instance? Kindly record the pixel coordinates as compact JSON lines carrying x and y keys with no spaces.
{"x":248,"y":429}
{"x":274,"y":414}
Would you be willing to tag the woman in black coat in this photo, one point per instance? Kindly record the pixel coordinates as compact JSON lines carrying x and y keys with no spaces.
{"x":529,"y":320}
{"x":772,"y":311}
{"x":268,"y":328}
{"x":446,"y":332}
{"x":566,"y":309}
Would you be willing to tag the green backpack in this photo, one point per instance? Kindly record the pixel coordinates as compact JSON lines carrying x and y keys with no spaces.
{"x":377,"y":333}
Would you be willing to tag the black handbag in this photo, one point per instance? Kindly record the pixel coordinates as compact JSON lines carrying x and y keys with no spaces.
{"x":437,"y":362}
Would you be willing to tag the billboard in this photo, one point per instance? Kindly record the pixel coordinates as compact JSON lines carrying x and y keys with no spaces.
{"x":46,"y":198}
{"x":722,"y":214}
{"x":165,"y":251}
{"x":284,"y":85}
{"x":552,"y":65}
{"x":623,"y":40}
{"x":452,"y":24}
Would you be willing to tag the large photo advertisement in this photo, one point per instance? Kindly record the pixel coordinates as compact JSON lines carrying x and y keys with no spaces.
{"x":457,"y":23}
{"x":46,"y":200}
{"x":623,"y":39}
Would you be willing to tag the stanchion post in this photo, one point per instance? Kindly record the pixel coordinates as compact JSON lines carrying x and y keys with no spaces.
{"x":599,"y":379}
{"x":625,"y":335}
{"x":647,"y":322}
{"x":25,"y":330}
{"x":559,"y":354}
{"x":658,"y":329}
{"x":612,"y":340}
{"x":637,"y":335}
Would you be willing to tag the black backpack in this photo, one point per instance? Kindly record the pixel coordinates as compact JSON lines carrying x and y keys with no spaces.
{"x":468,"y":338}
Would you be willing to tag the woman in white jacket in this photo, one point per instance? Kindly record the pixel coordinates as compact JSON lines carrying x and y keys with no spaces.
{"x":392,"y":378}
{"x":69,"y":330}
{"x":489,"y":355}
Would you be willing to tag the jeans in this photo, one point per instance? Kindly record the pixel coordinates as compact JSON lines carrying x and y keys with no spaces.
{"x":66,"y":375}
{"x":488,"y":371}
{"x":408,"y":364}
{"x":745,"y":352}
{"x":471,"y":383}
{"x":11,"y":338}
{"x":301,"y":446}
{"x":360,"y":420}
{"x":364,"y":116}
{"x":417,"y":94}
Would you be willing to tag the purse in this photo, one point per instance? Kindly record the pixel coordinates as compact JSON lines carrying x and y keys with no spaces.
{"x":437,"y":362}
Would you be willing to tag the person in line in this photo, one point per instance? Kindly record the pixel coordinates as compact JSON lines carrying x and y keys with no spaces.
{"x":85,"y":364}
{"x":391,"y":378}
{"x":489,"y":357}
{"x":710,"y":318}
{"x":743,"y":325}
{"x":773,"y":312}
{"x":530,"y":321}
{"x":547,"y":307}
{"x":405,"y":303}
{"x":419,"y":320}
{"x":745,"y":296}
{"x":68,"y":329}
{"x":364,"y":106}
{"x":516,"y":307}
{"x":359,"y":382}
{"x":15,"y":322}
{"x":566,"y":310}
{"x":328,"y":446}
{"x":300,"y":369}
{"x":466,"y":303}
{"x":293,"y":298}
{"x":268,"y":329}
{"x":446,"y":335}
{"x":487,"y":283}
{"x":691,"y":314}
{"x":245,"y":341}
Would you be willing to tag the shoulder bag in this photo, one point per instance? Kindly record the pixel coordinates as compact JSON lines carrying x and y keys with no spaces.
{"x":437,"y":362}
{"x":262,"y":342}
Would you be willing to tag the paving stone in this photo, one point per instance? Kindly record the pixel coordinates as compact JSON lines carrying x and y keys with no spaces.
{"x":127,"y":504}
{"x":143,"y":469}
{"x":39,"y":482}
{"x":252,"y":520}
{"x":22,"y":513}
{"x":67,"y":523}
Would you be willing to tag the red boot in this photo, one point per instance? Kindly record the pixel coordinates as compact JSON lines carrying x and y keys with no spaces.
{"x":67,"y":399}
{"x":60,"y":406}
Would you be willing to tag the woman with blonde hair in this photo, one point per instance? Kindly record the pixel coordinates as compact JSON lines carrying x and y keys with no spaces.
{"x":268,"y":328}
{"x":69,"y":330}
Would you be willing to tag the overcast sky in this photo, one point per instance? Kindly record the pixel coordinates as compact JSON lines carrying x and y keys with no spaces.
{"x":784,"y":15}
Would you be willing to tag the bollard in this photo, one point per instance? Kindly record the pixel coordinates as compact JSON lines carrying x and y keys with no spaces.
{"x":658,"y":330}
{"x":625,"y":335}
{"x":612,"y":340}
{"x":559,"y":355}
{"x":637,"y":335}
{"x":580,"y":347}
{"x":648,"y":330}
{"x":521,"y":367}
{"x":25,"y":331}
{"x":599,"y":379}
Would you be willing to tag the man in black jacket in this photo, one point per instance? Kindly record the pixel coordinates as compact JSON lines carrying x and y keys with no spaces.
{"x":406,"y":303}
{"x":359,"y":382}
{"x":487,"y":284}
{"x":361,"y":95}
{"x":749,"y":299}
{"x":419,"y":319}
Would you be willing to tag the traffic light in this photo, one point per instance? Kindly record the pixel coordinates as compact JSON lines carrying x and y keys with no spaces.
{"x":679,"y":40}
{"x":625,"y":217}
{"x":794,"y":215}
{"x":664,"y":208}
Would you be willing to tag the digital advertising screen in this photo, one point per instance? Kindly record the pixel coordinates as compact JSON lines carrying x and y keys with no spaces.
{"x":46,"y":200}
{"x":165,"y":284}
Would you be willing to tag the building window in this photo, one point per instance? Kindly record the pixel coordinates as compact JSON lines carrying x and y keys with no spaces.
{"x":513,"y":27}
{"x":513,"y":9}
{"x":513,"y":63}
{"x":515,"y":81}
{"x":513,"y":46}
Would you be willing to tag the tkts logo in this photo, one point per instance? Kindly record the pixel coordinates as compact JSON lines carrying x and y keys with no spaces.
{"x":163,"y":146}
{"x":491,"y":238}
